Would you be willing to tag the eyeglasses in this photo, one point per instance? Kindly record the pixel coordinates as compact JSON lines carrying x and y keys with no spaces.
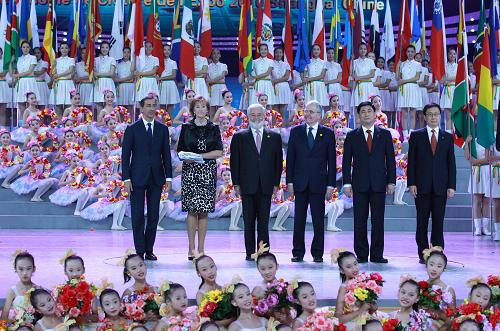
{"x":311,"y":112}
{"x":432,"y":114}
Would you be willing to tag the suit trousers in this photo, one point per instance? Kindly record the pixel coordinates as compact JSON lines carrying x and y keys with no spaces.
{"x":376,"y":202}
{"x":144,"y":240}
{"x":427,"y":205}
{"x":317,"y":203}
{"x":256,"y":206}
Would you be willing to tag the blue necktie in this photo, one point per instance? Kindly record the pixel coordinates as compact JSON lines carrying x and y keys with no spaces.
{"x":310,"y":138}
{"x":149,"y":131}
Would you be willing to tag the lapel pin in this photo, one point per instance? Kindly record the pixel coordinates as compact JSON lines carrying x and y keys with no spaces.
{"x":321,"y":135}
{"x":268,"y":136}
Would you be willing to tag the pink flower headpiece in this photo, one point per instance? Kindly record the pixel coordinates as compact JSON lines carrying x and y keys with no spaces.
{"x":28,"y":93}
{"x":32,"y":118}
{"x":68,"y":129}
{"x":101,"y":143}
{"x":340,"y":133}
{"x":71,"y":153}
{"x":4,"y":131}
{"x":104,"y":167}
{"x":73,"y":92}
{"x":332,"y":94}
{"x":224,"y":90}
{"x":152,"y":94}
{"x":372,"y":96}
{"x":106,"y":91}
{"x":187,"y":90}
{"x":259,"y":94}
{"x":109,"y":117}
{"x":405,"y":278}
{"x":297,"y":93}
{"x":222,"y":117}
{"x":33,"y":143}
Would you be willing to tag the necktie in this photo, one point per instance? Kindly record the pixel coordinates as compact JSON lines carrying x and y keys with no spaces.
{"x":149,"y":131}
{"x":433,"y":141}
{"x":310,"y":138}
{"x":258,"y":140}
{"x":369,"y":140}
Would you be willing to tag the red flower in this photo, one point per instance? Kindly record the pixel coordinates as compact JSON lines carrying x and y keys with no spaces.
{"x":341,"y":327}
{"x":449,"y":312}
{"x":376,"y":277}
{"x":455,"y":325}
{"x":210,"y":308}
{"x":423,"y":285}
{"x":391,"y":324}
{"x":494,"y":317}
{"x":479,"y":318}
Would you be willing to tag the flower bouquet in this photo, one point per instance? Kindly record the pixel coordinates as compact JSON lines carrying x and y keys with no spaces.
{"x":24,"y":314}
{"x":278,"y":300}
{"x":139,"y":303}
{"x":107,"y":325}
{"x":187,"y":322}
{"x":392,"y":324}
{"x":74,"y":299}
{"x":363,"y":288}
{"x":468,"y":311}
{"x":322,"y":320}
{"x":419,"y":320}
{"x":216,"y":304}
{"x":432,"y":297}
{"x":494,"y":284}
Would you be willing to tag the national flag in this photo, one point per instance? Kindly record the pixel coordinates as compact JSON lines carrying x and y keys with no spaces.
{"x":50,"y":38}
{"x":438,"y":41}
{"x":11,"y":37}
{"x":350,"y":12}
{"x":404,"y":35}
{"x":82,"y":23}
{"x":75,"y":35}
{"x":493,"y":35}
{"x":485,"y":118}
{"x":23,"y":22}
{"x":461,"y":110}
{"x":302,"y":58}
{"x":205,"y":26}
{"x":138,"y":29}
{"x":245,"y":36}
{"x":154,"y":35}
{"x":94,"y":30}
{"x":423,"y":40}
{"x":130,"y":30}
{"x":186,"y":65}
{"x":374,"y":42}
{"x":287,"y":36}
{"x":266,"y":37}
{"x":117,"y":41}
{"x":416,"y":29}
{"x":176,"y":37}
{"x":33,"y":35}
{"x":358,"y":33}
{"x":347,"y":48}
{"x":319,"y":29}
{"x":335,"y":30}
{"x":3,"y":33}
{"x":387,"y":47}
{"x":258,"y":26}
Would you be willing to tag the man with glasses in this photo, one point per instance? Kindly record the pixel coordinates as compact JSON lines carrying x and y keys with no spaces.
{"x":370,"y":152}
{"x":310,"y":175}
{"x":431,"y":176}
{"x":256,"y":164}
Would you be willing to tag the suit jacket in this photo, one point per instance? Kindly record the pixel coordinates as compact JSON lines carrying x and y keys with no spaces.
{"x":370,"y":170}
{"x":431,"y":173}
{"x":140,"y":157}
{"x":316,"y":168}
{"x":249,"y":168}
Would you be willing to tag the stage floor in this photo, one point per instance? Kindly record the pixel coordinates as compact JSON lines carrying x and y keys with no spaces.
{"x":469,"y":256}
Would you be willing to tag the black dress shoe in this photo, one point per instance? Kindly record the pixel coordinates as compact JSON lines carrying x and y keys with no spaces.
{"x":249,"y":258}
{"x":318,"y":259}
{"x":421,"y":261}
{"x":361,"y":260}
{"x":150,"y":257}
{"x":297,"y":259}
{"x":379,"y":260}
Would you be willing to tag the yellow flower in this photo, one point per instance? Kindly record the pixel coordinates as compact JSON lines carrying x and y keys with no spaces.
{"x":215,"y":296}
{"x":361,"y":294}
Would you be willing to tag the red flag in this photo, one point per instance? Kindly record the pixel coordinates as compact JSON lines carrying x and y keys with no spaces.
{"x":138,"y":29}
{"x":438,"y":41}
{"x":205,"y":28}
{"x":404,"y":35}
{"x":94,"y":30}
{"x":319,"y":29}
{"x":287,"y":36}
{"x":358,"y":33}
{"x":186,"y":63}
{"x":154,"y":35}
{"x":258,"y":26}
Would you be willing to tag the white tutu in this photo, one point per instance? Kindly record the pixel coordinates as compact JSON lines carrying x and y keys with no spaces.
{"x":169,"y":93}
{"x":409,"y":96}
{"x":5,"y":170}
{"x":317,"y":91}
{"x":26,"y":84}
{"x":223,"y":208}
{"x":126,"y":94}
{"x":480,"y":180}
{"x":446,"y":99}
{"x":177,"y":214}
{"x":44,"y":93}
{"x":27,"y":184}
{"x":216,"y":99}
{"x":5,"y":95}
{"x":101,"y":209}
{"x":146,"y":85}
{"x":66,"y":195}
{"x":200,"y":87}
{"x":62,"y":95}
{"x":86,"y":93}
{"x":283,"y":94}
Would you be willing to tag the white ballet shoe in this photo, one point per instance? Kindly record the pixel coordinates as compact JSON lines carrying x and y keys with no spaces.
{"x":283,"y":228}
{"x":333,"y":229}
{"x":277,"y":228}
{"x":486,"y":227}
{"x":6,"y":185}
{"x":36,"y":199}
{"x":234,"y":228}
{"x":400,"y":203}
{"x":159,"y":228}
{"x":76,"y":213}
{"x":118,"y":228}
{"x":477,"y":227}
{"x":496,"y":237}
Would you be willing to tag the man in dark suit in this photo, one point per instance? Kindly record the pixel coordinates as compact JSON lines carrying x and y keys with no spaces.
{"x":431,"y":176}
{"x":310,"y":175}
{"x":370,"y":152}
{"x":256,"y":165}
{"x":146,"y":167}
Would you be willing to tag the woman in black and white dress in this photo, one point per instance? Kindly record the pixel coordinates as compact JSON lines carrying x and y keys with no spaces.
{"x":198,"y":181}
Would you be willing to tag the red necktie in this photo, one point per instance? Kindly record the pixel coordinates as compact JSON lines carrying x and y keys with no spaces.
{"x":369,"y":140}
{"x":433,"y":142}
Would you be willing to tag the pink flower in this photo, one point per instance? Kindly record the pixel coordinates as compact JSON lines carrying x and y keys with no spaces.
{"x":74,"y":312}
{"x":350,"y":299}
{"x":262,"y":307}
{"x":293,"y":313}
{"x":272,"y":300}
{"x":371,"y":285}
{"x":320,"y":322}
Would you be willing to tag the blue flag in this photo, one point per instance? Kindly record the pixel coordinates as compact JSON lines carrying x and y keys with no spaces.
{"x":302,"y":54}
{"x":23,"y":22}
{"x":493,"y":36}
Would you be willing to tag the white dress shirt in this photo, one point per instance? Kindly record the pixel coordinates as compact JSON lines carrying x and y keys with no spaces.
{"x":429,"y":132}
{"x":314,"y":129}
{"x":254,"y":133}
{"x":366,"y":129}
{"x":146,"y":125}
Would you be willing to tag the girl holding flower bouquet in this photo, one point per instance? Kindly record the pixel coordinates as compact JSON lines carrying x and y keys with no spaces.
{"x":207,"y":271}
{"x":408,"y":315}
{"x":226,"y":201}
{"x":24,"y":266}
{"x":437,"y":298}
{"x":209,"y":326}
{"x":45,"y":305}
{"x":184,"y":116}
{"x":112,"y":306}
{"x":480,"y":292}
{"x":37,"y":172}
{"x":19,"y":135}
{"x":305,"y":298}
{"x":241,"y":298}
{"x":175,"y":310}
{"x":267,"y":265}
{"x":11,"y":158}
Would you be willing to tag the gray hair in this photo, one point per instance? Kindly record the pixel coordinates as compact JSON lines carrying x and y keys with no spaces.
{"x":316,"y":105}
{"x":256,"y":106}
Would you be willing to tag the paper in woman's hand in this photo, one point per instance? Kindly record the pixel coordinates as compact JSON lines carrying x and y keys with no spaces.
{"x":189,"y":156}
